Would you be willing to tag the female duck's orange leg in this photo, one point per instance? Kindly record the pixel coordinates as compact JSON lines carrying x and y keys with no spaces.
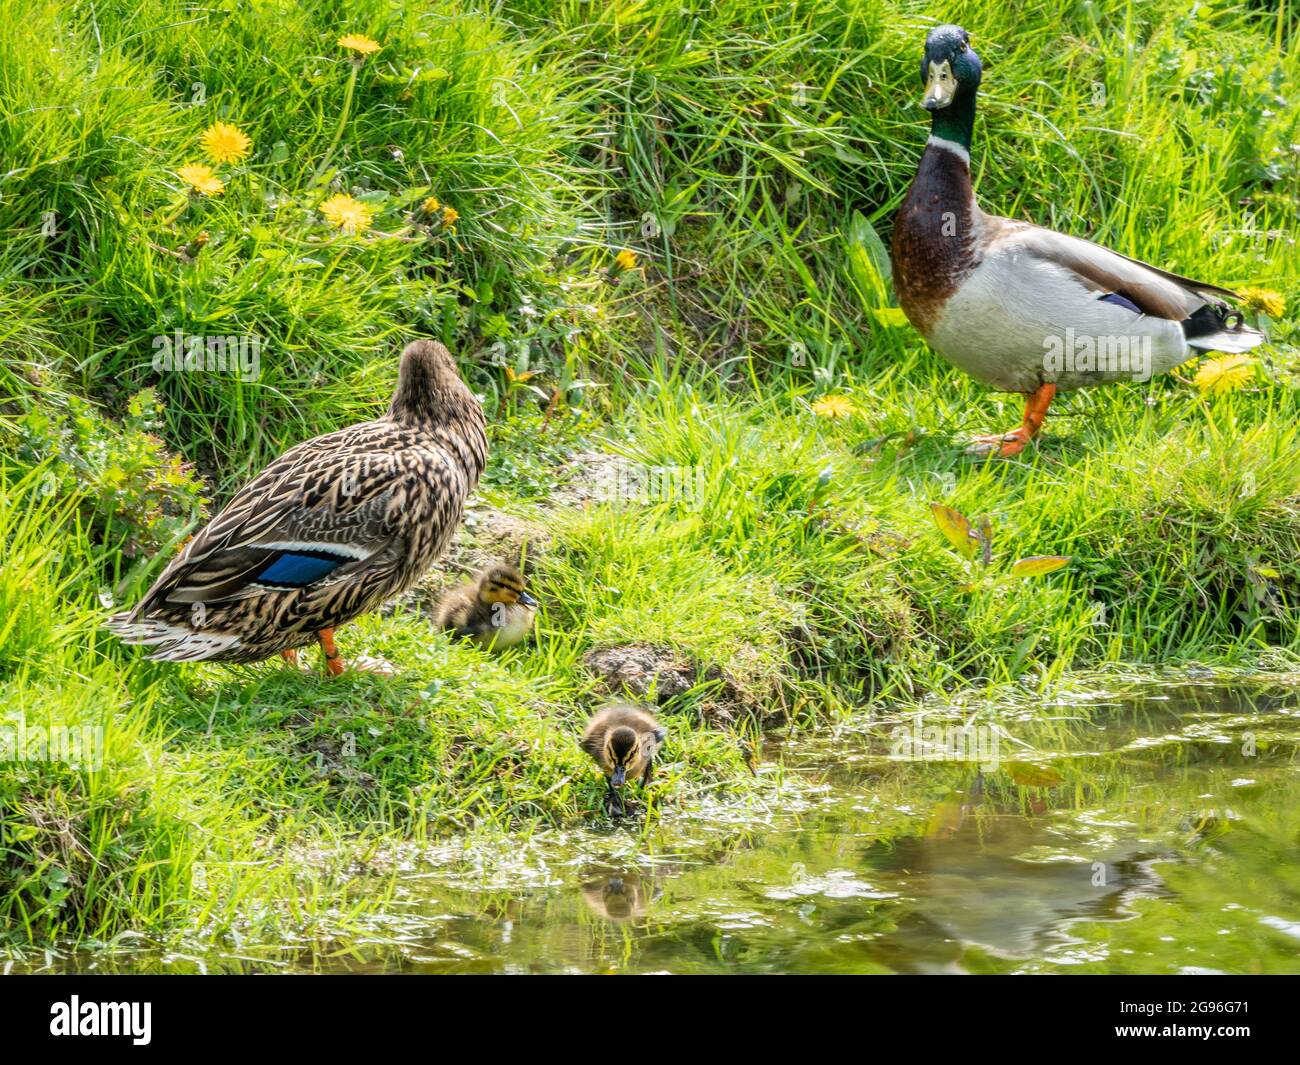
{"x":333,"y":660}
{"x":1014,"y":442}
{"x":290,"y":656}
{"x":363,"y":663}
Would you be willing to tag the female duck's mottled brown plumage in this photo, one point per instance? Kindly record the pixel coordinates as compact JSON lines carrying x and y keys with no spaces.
{"x":494,"y":611}
{"x":623,"y":740}
{"x":326,"y":532}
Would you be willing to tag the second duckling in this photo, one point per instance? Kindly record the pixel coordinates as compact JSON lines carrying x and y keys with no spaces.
{"x":494,"y":611}
{"x":623,"y":740}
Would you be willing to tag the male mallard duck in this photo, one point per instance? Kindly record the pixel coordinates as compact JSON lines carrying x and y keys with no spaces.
{"x":326,"y":532}
{"x":494,"y":611}
{"x":623,"y":740}
{"x":1022,"y":308}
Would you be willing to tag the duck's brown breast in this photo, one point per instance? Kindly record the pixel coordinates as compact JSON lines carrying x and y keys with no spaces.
{"x":936,"y":237}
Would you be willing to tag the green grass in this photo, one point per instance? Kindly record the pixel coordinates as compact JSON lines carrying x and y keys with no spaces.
{"x":751,"y":155}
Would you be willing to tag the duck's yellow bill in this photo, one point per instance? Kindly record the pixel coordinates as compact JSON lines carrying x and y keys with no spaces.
{"x":940,"y":87}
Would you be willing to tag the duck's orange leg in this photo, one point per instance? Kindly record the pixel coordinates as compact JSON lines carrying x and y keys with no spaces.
{"x":364,"y":663}
{"x":1014,"y":442}
{"x":290,"y":656}
{"x":333,"y":660}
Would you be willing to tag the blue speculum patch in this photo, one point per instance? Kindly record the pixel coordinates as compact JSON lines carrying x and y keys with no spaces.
{"x":1122,"y":301}
{"x":297,"y":570}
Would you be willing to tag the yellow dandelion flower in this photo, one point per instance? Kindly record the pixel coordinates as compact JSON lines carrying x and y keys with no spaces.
{"x":359,"y":43}
{"x":834,"y":407}
{"x":224,"y":143}
{"x":346,"y":213}
{"x":625,"y":260}
{"x":1224,"y":374}
{"x":450,"y":216}
{"x":1263,"y":301}
{"x":431,"y":205}
{"x":200,"y":178}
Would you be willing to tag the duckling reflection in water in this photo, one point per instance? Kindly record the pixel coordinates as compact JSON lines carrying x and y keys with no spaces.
{"x":493,"y":611}
{"x":619,"y":898}
{"x":623,"y":740}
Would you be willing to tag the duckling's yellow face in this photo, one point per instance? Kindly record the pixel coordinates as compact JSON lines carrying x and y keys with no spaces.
{"x":625,"y":755}
{"x":504,"y":584}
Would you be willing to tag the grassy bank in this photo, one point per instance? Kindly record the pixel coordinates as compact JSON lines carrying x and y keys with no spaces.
{"x":693,"y":526}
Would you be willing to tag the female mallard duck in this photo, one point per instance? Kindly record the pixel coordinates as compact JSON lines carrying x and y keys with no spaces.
{"x":623,"y":740}
{"x":326,"y":532}
{"x":1022,"y":308}
{"x":494,"y":611}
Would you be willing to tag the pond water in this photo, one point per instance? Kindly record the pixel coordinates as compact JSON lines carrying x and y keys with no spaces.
{"x":1156,"y":832}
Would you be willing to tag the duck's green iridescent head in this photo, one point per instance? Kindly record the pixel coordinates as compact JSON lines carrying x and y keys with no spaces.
{"x":950,"y":72}
{"x":950,"y":69}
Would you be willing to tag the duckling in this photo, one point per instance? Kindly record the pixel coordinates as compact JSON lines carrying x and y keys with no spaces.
{"x":494,"y":610}
{"x":619,"y":898}
{"x":623,"y":740}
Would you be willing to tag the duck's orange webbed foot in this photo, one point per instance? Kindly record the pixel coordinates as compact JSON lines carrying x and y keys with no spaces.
{"x":1004,"y":445}
{"x":334,"y":660}
{"x":1012,"y":443}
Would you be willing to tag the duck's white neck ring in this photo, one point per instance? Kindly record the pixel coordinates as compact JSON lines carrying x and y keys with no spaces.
{"x":950,"y":146}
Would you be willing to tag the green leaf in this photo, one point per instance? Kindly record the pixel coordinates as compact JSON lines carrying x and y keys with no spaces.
{"x":889,"y":316}
{"x":863,"y":233}
{"x":956,"y":528}
{"x":868,"y":260}
{"x":848,"y":155}
{"x":1037,"y":565}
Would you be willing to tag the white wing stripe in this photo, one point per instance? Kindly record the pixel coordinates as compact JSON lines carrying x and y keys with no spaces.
{"x":343,"y":550}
